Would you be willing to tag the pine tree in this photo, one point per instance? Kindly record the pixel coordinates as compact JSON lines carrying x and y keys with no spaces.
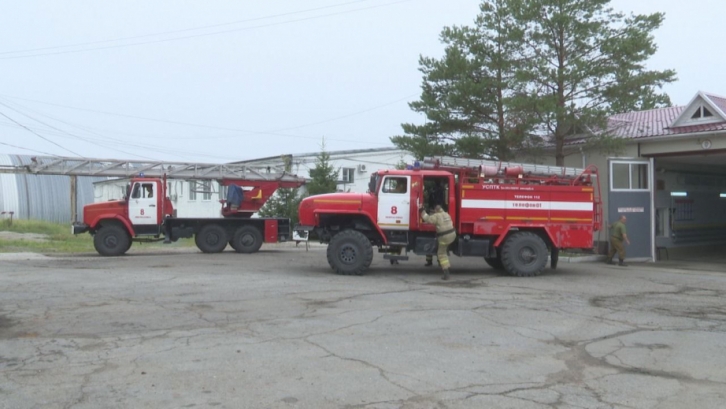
{"x":470,"y":95}
{"x":581,"y":62}
{"x":284,"y":203}
{"x":323,"y":177}
{"x":534,"y":71}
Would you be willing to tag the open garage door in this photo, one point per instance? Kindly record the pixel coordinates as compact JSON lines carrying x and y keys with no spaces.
{"x":690,"y":201}
{"x":630,"y":194}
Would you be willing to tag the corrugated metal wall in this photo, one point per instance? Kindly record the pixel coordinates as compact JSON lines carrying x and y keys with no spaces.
{"x":41,"y":197}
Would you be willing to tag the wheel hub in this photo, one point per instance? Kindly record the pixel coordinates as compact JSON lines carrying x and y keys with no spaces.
{"x":111,"y":241}
{"x":348,"y":254}
{"x":527,"y":255}
{"x":247,"y":240}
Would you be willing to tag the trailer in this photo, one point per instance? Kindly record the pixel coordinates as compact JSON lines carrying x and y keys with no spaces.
{"x":515,"y":216}
{"x":146,"y":214}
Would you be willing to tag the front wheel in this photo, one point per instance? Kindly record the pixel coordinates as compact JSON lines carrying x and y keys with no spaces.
{"x":350,"y":253}
{"x":111,"y":241}
{"x":211,"y":239}
{"x":524,"y":254}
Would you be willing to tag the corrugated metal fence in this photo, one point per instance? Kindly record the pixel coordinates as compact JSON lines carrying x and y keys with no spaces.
{"x":41,"y":197}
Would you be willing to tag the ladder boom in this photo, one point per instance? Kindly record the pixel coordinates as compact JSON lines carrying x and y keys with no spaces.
{"x":53,"y":165}
{"x":448,"y":162}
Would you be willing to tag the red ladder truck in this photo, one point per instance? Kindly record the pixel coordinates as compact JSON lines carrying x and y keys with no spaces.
{"x":513,"y":215}
{"x":146,"y":213}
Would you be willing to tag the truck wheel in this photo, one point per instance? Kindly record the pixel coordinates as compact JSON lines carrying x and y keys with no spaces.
{"x":524,"y":254}
{"x":111,"y":241}
{"x":211,"y":239}
{"x":247,"y":239}
{"x":495,"y":263}
{"x":350,"y":253}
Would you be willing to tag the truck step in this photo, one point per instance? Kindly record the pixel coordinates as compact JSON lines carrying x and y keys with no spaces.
{"x":395,"y":257}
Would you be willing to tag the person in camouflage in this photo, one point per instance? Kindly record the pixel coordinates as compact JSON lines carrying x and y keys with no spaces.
{"x":445,"y":233}
{"x":618,"y":234}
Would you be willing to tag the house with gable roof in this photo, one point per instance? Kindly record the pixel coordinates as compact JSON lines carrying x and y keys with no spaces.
{"x":669,"y":180}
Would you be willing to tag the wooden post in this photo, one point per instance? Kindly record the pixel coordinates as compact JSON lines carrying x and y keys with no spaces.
{"x":74,"y":199}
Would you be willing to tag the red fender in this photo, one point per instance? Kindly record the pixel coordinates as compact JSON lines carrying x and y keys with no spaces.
{"x":525,"y":227}
{"x":356,"y":213}
{"x":125,"y":222}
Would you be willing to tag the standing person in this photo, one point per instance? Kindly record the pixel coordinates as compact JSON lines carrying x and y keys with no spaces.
{"x":618,"y":234}
{"x":445,"y":234}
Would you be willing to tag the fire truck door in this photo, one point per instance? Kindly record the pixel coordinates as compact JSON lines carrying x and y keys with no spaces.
{"x":394,"y":203}
{"x":142,"y":203}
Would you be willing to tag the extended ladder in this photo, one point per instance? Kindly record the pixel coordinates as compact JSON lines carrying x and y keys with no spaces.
{"x":448,"y":162}
{"x":55,"y":165}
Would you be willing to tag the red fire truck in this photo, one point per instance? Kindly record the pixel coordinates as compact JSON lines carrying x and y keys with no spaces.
{"x":513,"y":215}
{"x":146,"y":213}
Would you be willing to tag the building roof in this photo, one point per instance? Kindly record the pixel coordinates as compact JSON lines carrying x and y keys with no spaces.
{"x":671,"y":121}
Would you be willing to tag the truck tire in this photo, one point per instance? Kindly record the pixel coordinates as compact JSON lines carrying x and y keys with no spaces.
{"x":211,"y":239}
{"x":350,"y":253}
{"x":247,"y":239}
{"x":111,"y":241}
{"x":524,"y":254}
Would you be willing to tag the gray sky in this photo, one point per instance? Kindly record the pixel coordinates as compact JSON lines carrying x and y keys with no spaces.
{"x":259,"y":78}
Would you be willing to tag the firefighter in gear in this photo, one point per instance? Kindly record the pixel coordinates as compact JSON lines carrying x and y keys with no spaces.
{"x":618,"y":234}
{"x":445,"y":234}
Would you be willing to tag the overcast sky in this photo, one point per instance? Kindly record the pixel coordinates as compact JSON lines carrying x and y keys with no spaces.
{"x":214,"y":81}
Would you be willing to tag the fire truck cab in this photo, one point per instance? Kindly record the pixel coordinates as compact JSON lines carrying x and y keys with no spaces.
{"x":514,"y":216}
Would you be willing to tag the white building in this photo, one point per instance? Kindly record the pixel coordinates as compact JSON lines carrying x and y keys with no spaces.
{"x":354,"y":166}
{"x":201,"y":198}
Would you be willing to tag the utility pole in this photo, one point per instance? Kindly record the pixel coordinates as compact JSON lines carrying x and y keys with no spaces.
{"x":74,"y":199}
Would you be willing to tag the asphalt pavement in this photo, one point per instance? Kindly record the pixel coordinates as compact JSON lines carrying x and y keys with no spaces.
{"x":277,"y":329}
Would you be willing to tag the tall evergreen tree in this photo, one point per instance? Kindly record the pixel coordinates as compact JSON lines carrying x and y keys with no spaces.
{"x":284,"y":203}
{"x":323,"y":177}
{"x":470,"y":96}
{"x":581,"y":62}
{"x":532,"y":70}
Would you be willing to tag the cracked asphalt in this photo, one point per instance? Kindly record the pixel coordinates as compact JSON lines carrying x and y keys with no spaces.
{"x":278,"y":329}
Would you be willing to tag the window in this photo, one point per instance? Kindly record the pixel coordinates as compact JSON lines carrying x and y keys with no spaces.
{"x":143,"y":191}
{"x":192,"y":190}
{"x":207,"y":190}
{"x":702,"y":112}
{"x":348,"y":175}
{"x":629,"y":176}
{"x":395,"y":185}
{"x":223,"y":192}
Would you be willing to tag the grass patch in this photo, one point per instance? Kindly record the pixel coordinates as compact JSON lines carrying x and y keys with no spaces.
{"x":60,"y":239}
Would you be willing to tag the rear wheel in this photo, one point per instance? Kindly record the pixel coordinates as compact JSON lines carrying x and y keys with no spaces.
{"x":524,"y":254}
{"x":112,"y":240}
{"x":247,"y":239}
{"x":350,"y":253}
{"x":211,"y":239}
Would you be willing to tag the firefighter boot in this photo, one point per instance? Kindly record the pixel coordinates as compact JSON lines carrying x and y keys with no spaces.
{"x":446,"y":274}
{"x":622,"y":263}
{"x":609,"y":261}
{"x":429,"y":261}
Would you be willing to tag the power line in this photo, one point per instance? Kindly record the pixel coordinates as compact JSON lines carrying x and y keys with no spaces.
{"x":203,"y":34}
{"x":272,"y":132}
{"x":38,"y":135}
{"x":181,"y":30}
{"x":26,"y":149}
